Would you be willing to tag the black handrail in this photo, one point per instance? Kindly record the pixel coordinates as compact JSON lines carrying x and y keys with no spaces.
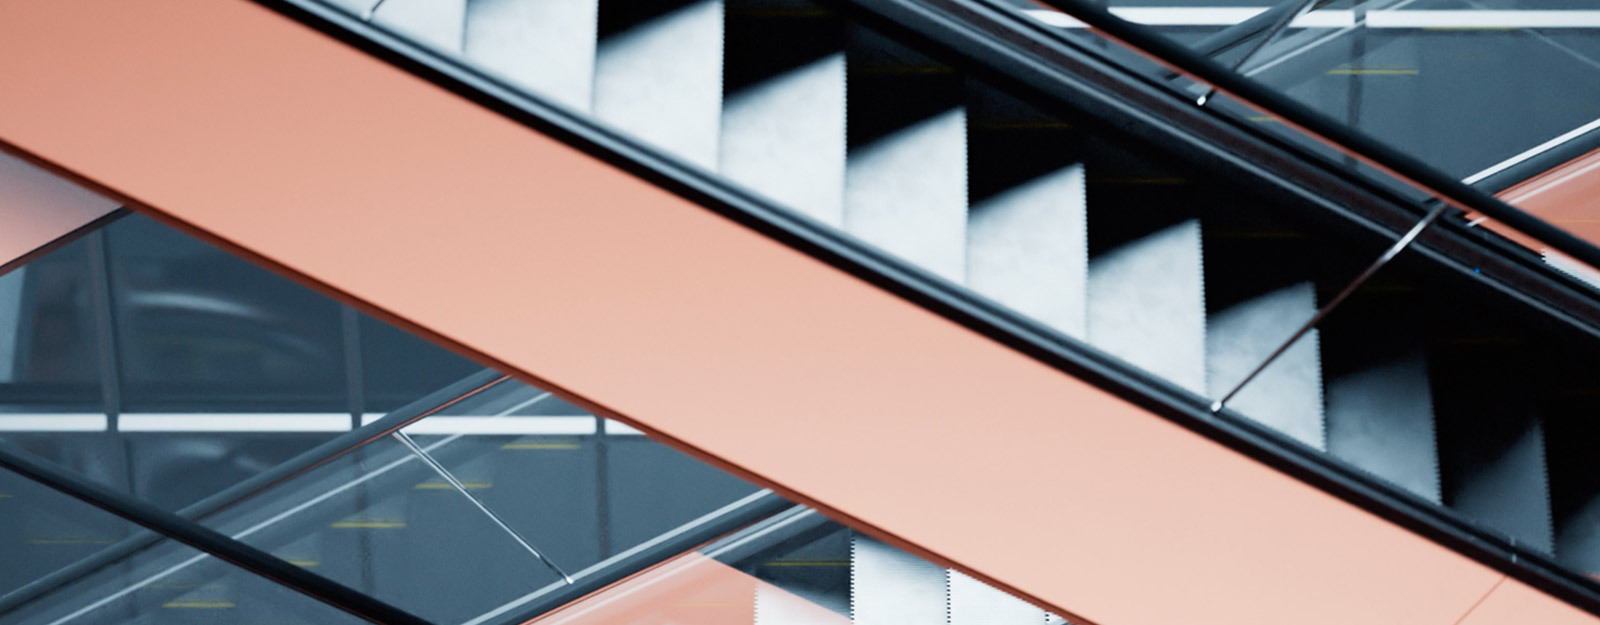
{"x":174,"y":527}
{"x":1324,"y":128}
{"x":310,"y":459}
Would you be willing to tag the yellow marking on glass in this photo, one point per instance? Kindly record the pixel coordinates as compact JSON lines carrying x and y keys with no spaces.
{"x":444,"y":486}
{"x":368,"y":525}
{"x":203,"y":605}
{"x":1364,"y":71}
{"x":68,"y":541}
{"x":540,"y":446}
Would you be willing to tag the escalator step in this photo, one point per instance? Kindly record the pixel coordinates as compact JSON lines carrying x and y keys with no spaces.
{"x":785,"y":138}
{"x":547,"y":46}
{"x":1147,"y":304}
{"x":1287,"y":395}
{"x":891,"y":587}
{"x":907,"y":193}
{"x":1380,"y":419}
{"x":1028,"y":248}
{"x":975,"y":603}
{"x":661,"y":81}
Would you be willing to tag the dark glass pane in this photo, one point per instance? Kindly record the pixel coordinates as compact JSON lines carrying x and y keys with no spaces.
{"x":49,"y":346}
{"x":42,"y":531}
{"x":398,"y":367}
{"x":167,"y":582}
{"x":201,"y":330}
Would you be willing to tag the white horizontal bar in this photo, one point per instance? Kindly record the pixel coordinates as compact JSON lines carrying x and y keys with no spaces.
{"x":235,"y":422}
{"x":618,"y":428}
{"x":1228,"y":16}
{"x":576,"y":425}
{"x":59,"y":422}
{"x":1484,"y":19}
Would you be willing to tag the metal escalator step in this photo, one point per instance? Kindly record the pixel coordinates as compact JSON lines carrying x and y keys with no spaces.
{"x":438,"y":23}
{"x":1380,"y":419}
{"x":776,"y":606}
{"x":547,"y":46}
{"x":1147,"y":304}
{"x":785,"y":138}
{"x":975,"y":603}
{"x":1287,"y":395}
{"x":1511,"y":492}
{"x":907,"y":193}
{"x":1028,"y":248}
{"x":891,"y":587}
{"x":661,"y":81}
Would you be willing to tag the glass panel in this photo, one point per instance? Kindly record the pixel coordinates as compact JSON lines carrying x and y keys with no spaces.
{"x":398,"y":367}
{"x":165,"y":583}
{"x":203,"y":331}
{"x":50,"y":354}
{"x":382,"y":521}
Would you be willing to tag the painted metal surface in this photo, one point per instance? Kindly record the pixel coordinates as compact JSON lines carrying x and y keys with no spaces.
{"x":376,"y":184}
{"x":1567,"y":196}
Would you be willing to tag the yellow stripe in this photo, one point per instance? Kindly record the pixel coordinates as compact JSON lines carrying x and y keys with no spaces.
{"x":1374,"y":72}
{"x":540,"y":446}
{"x":807,"y":563}
{"x":305,"y":563}
{"x":68,"y":541}
{"x":343,"y":525}
{"x":444,"y":486}
{"x":208,"y":605}
{"x":1262,"y":118}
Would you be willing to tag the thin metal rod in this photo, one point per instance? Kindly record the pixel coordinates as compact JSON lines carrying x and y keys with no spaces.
{"x":1282,"y":21}
{"x":366,"y":16}
{"x":1388,"y":255}
{"x":209,"y":541}
{"x":462,"y":489}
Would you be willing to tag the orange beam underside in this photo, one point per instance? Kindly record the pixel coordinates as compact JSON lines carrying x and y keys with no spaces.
{"x":1567,"y":196}
{"x":223,"y":116}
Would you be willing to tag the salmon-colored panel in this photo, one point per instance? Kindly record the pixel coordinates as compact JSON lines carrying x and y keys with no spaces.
{"x":37,"y":207}
{"x":1516,"y":603}
{"x":292,"y":146}
{"x":688,"y":589}
{"x":1567,"y":196}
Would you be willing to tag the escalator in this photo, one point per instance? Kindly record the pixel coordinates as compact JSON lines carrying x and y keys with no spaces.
{"x":1178,"y":273}
{"x":1096,"y":233}
{"x":374,"y":518}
